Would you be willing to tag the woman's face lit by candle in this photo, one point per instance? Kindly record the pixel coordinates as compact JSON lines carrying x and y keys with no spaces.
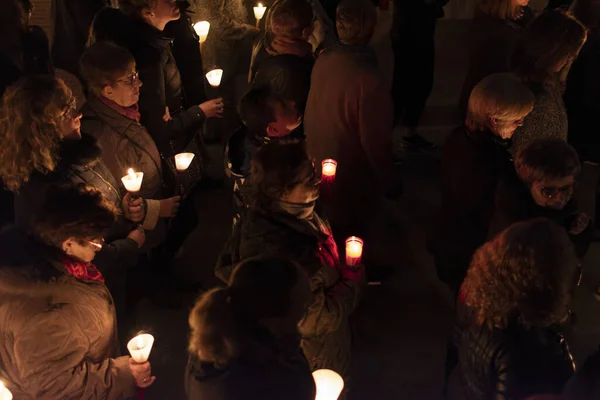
{"x":82,"y":249}
{"x":126,"y":90}
{"x":69,"y":121}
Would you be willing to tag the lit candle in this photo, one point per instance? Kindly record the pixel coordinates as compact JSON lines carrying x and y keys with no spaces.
{"x":133,"y":180}
{"x":259,"y":11}
{"x":140,"y":347}
{"x":183,"y":161}
{"x":214,"y":77}
{"x":329,"y":384}
{"x":202,"y":29}
{"x":5,"y":394}
{"x":354,"y":248}
{"x":328,"y":167}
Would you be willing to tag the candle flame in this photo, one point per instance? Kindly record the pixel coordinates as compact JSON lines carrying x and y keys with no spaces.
{"x":131,"y":173}
{"x":260,"y":4}
{"x":139,"y":342}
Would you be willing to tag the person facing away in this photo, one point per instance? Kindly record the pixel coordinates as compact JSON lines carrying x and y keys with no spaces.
{"x":518,"y":291}
{"x":493,"y":33}
{"x":58,"y":318}
{"x":282,"y":222}
{"x":349,"y":118}
{"x":266,"y":117}
{"x":544,"y":54}
{"x":244,"y":341}
{"x":475,"y":158}
{"x":543,"y":185}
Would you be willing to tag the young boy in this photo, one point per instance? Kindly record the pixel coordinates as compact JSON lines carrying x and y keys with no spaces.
{"x":266,"y":117}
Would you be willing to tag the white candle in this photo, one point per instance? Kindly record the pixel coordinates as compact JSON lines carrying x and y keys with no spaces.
{"x":133,"y":180}
{"x":183,"y":161}
{"x":259,"y":11}
{"x":329,"y":384}
{"x":214,"y":77}
{"x":354,"y":248}
{"x":140,"y":347}
{"x":5,"y":394}
{"x":202,"y":29}
{"x":328,"y":167}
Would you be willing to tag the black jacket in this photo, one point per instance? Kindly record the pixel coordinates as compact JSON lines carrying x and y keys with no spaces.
{"x":162,"y":84}
{"x":277,"y":371}
{"x":513,"y":363}
{"x":72,"y":20}
{"x":586,"y":383}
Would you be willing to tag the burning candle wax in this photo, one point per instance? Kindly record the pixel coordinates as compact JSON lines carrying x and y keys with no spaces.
{"x":140,"y":347}
{"x":183,"y":161}
{"x":354,"y":248}
{"x":133,"y":180}
{"x":329,"y":384}
{"x":202,"y":29}
{"x":329,"y":167}
{"x":5,"y":394}
{"x":259,"y":11}
{"x":214,"y":77}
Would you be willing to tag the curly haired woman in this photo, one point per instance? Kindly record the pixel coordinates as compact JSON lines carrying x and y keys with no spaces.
{"x":517,"y":291}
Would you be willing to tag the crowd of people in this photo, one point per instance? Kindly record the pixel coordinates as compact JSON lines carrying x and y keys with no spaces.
{"x":123,"y":90}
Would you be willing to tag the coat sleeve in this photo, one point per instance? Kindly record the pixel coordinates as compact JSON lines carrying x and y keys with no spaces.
{"x":120,"y":253}
{"x":51,"y":356}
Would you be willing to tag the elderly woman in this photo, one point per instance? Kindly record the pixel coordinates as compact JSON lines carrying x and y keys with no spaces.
{"x":543,"y":186}
{"x":518,"y":290}
{"x":546,"y":50}
{"x":244,"y":342}
{"x":283,"y":222}
{"x":475,"y":158}
{"x":58,"y":317}
{"x":495,"y":30}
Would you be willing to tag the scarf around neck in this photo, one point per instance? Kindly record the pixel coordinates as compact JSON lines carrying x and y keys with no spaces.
{"x":81,"y":270}
{"x":131,"y":112}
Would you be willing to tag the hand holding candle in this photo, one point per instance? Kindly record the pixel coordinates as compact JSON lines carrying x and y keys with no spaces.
{"x":140,"y":347}
{"x":259,"y":12}
{"x":214,"y":77}
{"x":329,"y":384}
{"x":5,"y":394}
{"x":202,"y":29}
{"x":133,"y":181}
{"x":354,"y":249}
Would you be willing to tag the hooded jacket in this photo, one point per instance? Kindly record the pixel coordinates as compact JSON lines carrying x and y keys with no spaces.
{"x":59,"y":334}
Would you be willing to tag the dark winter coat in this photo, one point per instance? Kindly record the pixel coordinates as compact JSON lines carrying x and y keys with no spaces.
{"x":513,"y":363}
{"x":586,"y":383}
{"x":582,"y":99}
{"x":278,"y":371}
{"x":514,"y":203}
{"x":490,"y":43}
{"x":80,"y":162}
{"x":71,"y":21}
{"x":162,"y":84}
{"x":325,"y":329}
{"x":59,"y":336}
{"x":349,"y":118}
{"x":472,"y":165}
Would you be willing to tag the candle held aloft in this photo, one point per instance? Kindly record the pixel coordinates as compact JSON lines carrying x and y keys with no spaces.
{"x":329,"y":384}
{"x":328,"y":168}
{"x":214,"y":77}
{"x":183,"y":161}
{"x":354,"y":249}
{"x":202,"y":29}
{"x":5,"y":394}
{"x":140,"y":347}
{"x":259,"y":11}
{"x":133,"y":180}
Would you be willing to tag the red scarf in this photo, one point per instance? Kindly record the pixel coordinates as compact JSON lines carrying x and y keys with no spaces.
{"x":81,"y":270}
{"x":131,"y":112}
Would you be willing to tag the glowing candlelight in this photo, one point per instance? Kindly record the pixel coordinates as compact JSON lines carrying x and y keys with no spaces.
{"x":202,"y":29}
{"x":183,"y":161}
{"x":259,"y":11}
{"x":133,"y":180}
{"x":214,"y":77}
{"x":329,"y":384}
{"x":140,"y":347}
{"x":329,"y":167}
{"x":5,"y":394}
{"x":354,"y":248}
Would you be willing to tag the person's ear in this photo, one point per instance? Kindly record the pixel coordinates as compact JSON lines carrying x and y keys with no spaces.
{"x":271,"y":131}
{"x":494,"y":123}
{"x":107,"y":91}
{"x":67,"y":246}
{"x":147,"y":13}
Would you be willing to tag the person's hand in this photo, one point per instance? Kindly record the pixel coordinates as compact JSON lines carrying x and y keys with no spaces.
{"x":169,"y":207}
{"x":133,"y":209}
{"x":167,"y":116}
{"x":138,"y":235}
{"x":213,"y":108}
{"x":579,"y":223}
{"x":142,"y":373}
{"x":355,"y":274}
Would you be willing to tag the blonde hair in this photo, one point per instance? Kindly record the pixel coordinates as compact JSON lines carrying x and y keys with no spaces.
{"x":499,"y":96}
{"x":29,"y":127}
{"x":502,"y":9}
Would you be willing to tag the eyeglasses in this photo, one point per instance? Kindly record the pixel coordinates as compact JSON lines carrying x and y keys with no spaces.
{"x":99,"y":244}
{"x":70,"y":110}
{"x":550,"y":192}
{"x":131,"y":79}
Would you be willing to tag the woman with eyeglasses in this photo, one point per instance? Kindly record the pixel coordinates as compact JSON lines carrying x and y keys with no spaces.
{"x":543,"y":185}
{"x":57,"y":316}
{"x":282,"y":222}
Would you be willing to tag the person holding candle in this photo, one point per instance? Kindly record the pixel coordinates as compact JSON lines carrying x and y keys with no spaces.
{"x":244,"y":341}
{"x":58,"y":315}
{"x":282,"y":221}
